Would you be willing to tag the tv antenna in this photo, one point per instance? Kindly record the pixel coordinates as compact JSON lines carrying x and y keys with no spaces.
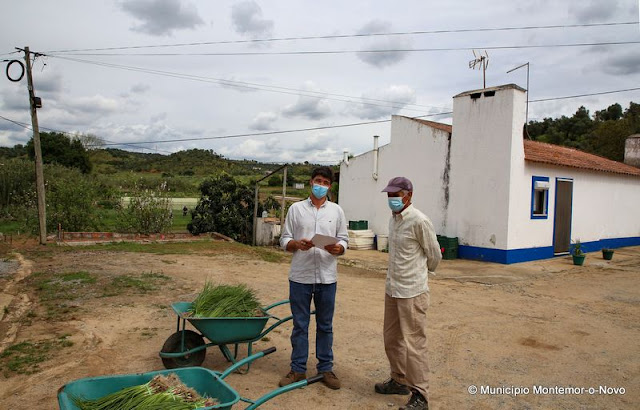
{"x":481,"y":62}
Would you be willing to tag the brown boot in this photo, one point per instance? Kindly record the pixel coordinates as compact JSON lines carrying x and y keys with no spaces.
{"x":292,"y":377}
{"x":330,"y":380}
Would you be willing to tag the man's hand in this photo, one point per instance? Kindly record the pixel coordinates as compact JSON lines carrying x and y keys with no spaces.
{"x":302,"y":245}
{"x":335,"y":249}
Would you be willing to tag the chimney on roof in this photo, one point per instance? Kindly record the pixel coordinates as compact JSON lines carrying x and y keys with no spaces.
{"x":632,"y":150}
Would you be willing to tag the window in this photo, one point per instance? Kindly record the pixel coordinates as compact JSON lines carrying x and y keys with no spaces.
{"x":539,"y":197}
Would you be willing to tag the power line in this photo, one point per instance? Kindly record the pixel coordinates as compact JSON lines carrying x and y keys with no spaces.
{"x":260,"y":87}
{"x":328,"y":52}
{"x":585,"y":95}
{"x":316,"y":128}
{"x":257,"y":134}
{"x":325,"y":37}
{"x":26,"y":126}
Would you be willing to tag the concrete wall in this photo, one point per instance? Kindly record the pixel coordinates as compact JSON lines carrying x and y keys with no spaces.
{"x":486,"y":142}
{"x":415,"y":151}
{"x":267,"y":233}
{"x":632,"y":151}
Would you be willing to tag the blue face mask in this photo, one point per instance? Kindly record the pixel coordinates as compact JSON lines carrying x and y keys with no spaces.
{"x":396,"y":204}
{"x":319,"y":191}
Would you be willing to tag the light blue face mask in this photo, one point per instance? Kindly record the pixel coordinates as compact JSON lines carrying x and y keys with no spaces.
{"x":319,"y":191}
{"x":396,"y":204}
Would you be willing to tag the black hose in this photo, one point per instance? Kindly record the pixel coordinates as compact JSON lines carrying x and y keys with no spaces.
{"x":21,"y":74}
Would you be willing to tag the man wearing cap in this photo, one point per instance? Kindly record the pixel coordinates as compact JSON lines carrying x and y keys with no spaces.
{"x":313,"y":276}
{"x":413,"y":253}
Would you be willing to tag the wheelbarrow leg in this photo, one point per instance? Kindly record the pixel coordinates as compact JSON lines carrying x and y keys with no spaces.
{"x":232,"y":358}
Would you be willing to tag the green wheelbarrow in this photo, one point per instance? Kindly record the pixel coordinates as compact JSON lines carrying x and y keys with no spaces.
{"x":207,"y":383}
{"x":186,"y":348}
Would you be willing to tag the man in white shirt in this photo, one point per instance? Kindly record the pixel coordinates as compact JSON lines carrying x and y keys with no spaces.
{"x":313,"y":275}
{"x":413,"y":253}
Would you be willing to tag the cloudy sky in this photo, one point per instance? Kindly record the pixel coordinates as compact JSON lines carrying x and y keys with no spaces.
{"x":228,"y":75}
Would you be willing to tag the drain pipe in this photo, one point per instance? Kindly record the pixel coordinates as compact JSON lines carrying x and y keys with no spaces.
{"x":375,"y":157}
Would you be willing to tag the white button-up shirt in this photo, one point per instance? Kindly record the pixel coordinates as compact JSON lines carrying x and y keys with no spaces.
{"x":413,"y":252}
{"x":303,"y":221}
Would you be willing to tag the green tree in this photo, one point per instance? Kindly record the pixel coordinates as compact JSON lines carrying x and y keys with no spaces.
{"x":70,"y":199}
{"x":612,"y":113}
{"x":226,"y":207}
{"x":57,"y":148}
{"x":608,"y":139}
{"x":149,"y":211}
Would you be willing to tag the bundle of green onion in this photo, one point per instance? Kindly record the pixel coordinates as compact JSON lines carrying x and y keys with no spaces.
{"x":225,"y":301}
{"x":162,"y":392}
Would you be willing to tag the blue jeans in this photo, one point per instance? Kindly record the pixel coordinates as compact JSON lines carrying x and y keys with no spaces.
{"x":324,"y":300}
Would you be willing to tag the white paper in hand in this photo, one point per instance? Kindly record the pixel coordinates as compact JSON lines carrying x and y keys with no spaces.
{"x":320,"y":241}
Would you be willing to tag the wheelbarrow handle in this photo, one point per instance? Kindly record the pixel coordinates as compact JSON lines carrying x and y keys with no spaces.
{"x":282,"y":302}
{"x":315,"y":379}
{"x":246,"y":360}
{"x":268,"y":350}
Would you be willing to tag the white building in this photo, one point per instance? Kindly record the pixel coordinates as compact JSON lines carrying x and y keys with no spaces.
{"x":507,"y":199}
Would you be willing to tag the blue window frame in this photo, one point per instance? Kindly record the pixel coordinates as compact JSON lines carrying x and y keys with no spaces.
{"x":539,"y":197}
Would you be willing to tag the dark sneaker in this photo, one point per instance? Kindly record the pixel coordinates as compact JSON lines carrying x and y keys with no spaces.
{"x":330,"y":380}
{"x":292,"y":377}
{"x":391,"y":387}
{"x":416,"y":402}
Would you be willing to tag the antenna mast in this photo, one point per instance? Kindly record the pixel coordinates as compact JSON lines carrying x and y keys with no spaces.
{"x":481,"y":62}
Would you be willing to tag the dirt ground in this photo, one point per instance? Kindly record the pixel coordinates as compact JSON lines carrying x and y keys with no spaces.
{"x":539,"y":325}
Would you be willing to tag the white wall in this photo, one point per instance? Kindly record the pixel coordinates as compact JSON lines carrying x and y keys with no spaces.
{"x":416,"y":151}
{"x":486,"y":141}
{"x":604,"y":206}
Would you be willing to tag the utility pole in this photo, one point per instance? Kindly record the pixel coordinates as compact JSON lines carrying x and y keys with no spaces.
{"x":42,"y":214}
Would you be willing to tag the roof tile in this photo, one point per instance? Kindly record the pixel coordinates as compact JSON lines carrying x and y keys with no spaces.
{"x":536,"y":151}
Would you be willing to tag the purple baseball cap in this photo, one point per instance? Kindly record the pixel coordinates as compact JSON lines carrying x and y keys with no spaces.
{"x":398,"y":184}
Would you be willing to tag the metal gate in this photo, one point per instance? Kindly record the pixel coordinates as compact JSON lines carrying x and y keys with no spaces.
{"x":562,"y":221}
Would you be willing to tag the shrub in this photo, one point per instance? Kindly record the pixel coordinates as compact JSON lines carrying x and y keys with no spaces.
{"x":226,"y":207}
{"x":147,"y":212}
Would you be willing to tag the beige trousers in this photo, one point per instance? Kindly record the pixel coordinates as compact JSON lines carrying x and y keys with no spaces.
{"x":405,"y":341}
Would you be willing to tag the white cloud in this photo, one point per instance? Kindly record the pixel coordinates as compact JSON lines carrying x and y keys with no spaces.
{"x":623,"y":64}
{"x":593,"y":11}
{"x":162,"y":17}
{"x":96,"y":105}
{"x":258,"y":149}
{"x":263,"y":121}
{"x":140,"y":88}
{"x":385,"y":59}
{"x":247,"y":20}
{"x":312,"y":108}
{"x":374,"y":107}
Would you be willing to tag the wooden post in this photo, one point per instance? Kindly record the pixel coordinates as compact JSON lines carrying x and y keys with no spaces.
{"x":42,"y":214}
{"x":255,"y":215}
{"x":284,"y":201}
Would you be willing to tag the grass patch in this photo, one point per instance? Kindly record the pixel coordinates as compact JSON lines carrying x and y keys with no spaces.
{"x":144,"y":283}
{"x":269,"y":254}
{"x":64,"y":286}
{"x":203,"y":247}
{"x":59,"y":291}
{"x":11,"y":227}
{"x":25,"y":357}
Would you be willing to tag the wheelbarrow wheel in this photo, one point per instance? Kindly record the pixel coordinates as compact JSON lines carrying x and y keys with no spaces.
{"x":174,"y":345}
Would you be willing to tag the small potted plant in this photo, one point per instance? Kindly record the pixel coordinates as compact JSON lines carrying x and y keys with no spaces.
{"x":607,"y":253}
{"x":577,"y":253}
